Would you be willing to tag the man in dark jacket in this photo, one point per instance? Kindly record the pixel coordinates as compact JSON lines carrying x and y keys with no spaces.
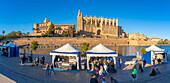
{"x":93,"y":79}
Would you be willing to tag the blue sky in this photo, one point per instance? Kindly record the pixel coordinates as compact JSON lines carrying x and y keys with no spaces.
{"x":151,"y":17}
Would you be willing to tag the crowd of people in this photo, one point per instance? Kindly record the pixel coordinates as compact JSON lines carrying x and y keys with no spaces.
{"x":101,"y":67}
{"x":30,"y":59}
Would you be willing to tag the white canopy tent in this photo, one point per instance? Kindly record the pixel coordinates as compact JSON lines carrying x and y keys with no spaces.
{"x":153,"y":51}
{"x":67,"y":50}
{"x":101,"y":51}
{"x":13,"y":50}
{"x":10,"y":44}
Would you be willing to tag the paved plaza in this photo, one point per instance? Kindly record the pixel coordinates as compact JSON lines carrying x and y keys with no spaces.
{"x":11,"y":68}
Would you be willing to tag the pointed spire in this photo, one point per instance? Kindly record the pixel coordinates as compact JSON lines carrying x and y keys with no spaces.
{"x":79,"y":13}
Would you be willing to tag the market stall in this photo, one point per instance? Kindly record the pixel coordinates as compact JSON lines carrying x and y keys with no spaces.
{"x":155,"y":55}
{"x":66,"y":57}
{"x":101,"y":51}
{"x":9,"y":50}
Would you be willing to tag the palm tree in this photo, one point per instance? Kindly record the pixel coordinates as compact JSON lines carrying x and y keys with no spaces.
{"x":3,"y":32}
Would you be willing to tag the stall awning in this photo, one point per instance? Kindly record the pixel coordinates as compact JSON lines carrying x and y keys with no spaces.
{"x":67,"y":50}
{"x":101,"y":51}
{"x":155,"y":49}
{"x":3,"y":47}
{"x":10,"y":44}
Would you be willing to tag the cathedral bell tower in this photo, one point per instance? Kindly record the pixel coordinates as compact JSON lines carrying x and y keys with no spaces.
{"x":79,"y":21}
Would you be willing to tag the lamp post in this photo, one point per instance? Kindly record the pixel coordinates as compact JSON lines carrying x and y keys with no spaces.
{"x":28,"y":48}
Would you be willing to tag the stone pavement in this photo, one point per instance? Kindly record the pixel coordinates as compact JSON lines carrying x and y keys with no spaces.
{"x":4,"y":79}
{"x":11,"y":68}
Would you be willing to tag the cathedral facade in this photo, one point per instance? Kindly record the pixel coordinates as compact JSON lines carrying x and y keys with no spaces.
{"x":98,"y":26}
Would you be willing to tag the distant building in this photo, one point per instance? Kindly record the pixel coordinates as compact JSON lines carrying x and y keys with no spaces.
{"x":137,"y":36}
{"x":154,"y":39}
{"x":98,"y":26}
{"x":41,"y":28}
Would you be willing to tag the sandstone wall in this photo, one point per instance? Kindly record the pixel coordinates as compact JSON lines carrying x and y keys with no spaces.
{"x":142,"y":43}
{"x":72,"y":41}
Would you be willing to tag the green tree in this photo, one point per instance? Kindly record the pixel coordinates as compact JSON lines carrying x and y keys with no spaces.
{"x":3,"y":32}
{"x":28,"y":33}
{"x":143,"y":51}
{"x":1,"y":38}
{"x":51,"y":30}
{"x":11,"y":35}
{"x":18,"y":33}
{"x":84,"y":36}
{"x":34,"y":45}
{"x":107,"y":36}
{"x":33,"y":29}
{"x":71,"y":31}
{"x":65,"y":34}
{"x":90,"y":36}
{"x":84,"y":47}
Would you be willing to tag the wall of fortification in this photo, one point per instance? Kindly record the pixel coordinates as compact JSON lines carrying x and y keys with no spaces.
{"x":72,"y":41}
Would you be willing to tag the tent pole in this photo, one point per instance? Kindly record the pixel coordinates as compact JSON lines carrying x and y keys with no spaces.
{"x":88,"y":58}
{"x":114,"y":58}
{"x":77,"y":63}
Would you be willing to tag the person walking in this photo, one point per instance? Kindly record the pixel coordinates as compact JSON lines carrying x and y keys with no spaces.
{"x":104,"y":80}
{"x":144,"y":63}
{"x":47,"y":69}
{"x":31,"y":56}
{"x":41,"y":61}
{"x":101,"y":73}
{"x":21,"y":58}
{"x":120,"y":62}
{"x":33,"y":64}
{"x":96,"y":71}
{"x":93,"y":79}
{"x":51,"y":69}
{"x":105,"y":68}
{"x":37,"y":60}
{"x":134,"y":72}
{"x":140,"y":67}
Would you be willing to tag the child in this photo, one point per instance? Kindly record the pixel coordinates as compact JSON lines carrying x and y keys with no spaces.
{"x":33,"y":64}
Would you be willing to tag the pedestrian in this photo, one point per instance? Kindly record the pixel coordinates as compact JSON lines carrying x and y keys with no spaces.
{"x":43,"y":59}
{"x":37,"y":60}
{"x":153,"y":73}
{"x":47,"y":69}
{"x":144,"y":63}
{"x":153,"y":62}
{"x":140,"y":67}
{"x":159,"y":61}
{"x":33,"y":64}
{"x":21,"y":58}
{"x":101,"y":73}
{"x":96,"y":71}
{"x":157,"y":71}
{"x":120,"y":62}
{"x":92,"y":66}
{"x":93,"y":79}
{"x":134,"y":72}
{"x":112,"y":80}
{"x":31,"y":56}
{"x":105,"y":68}
{"x":51,"y":68}
{"x":104,"y":80}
